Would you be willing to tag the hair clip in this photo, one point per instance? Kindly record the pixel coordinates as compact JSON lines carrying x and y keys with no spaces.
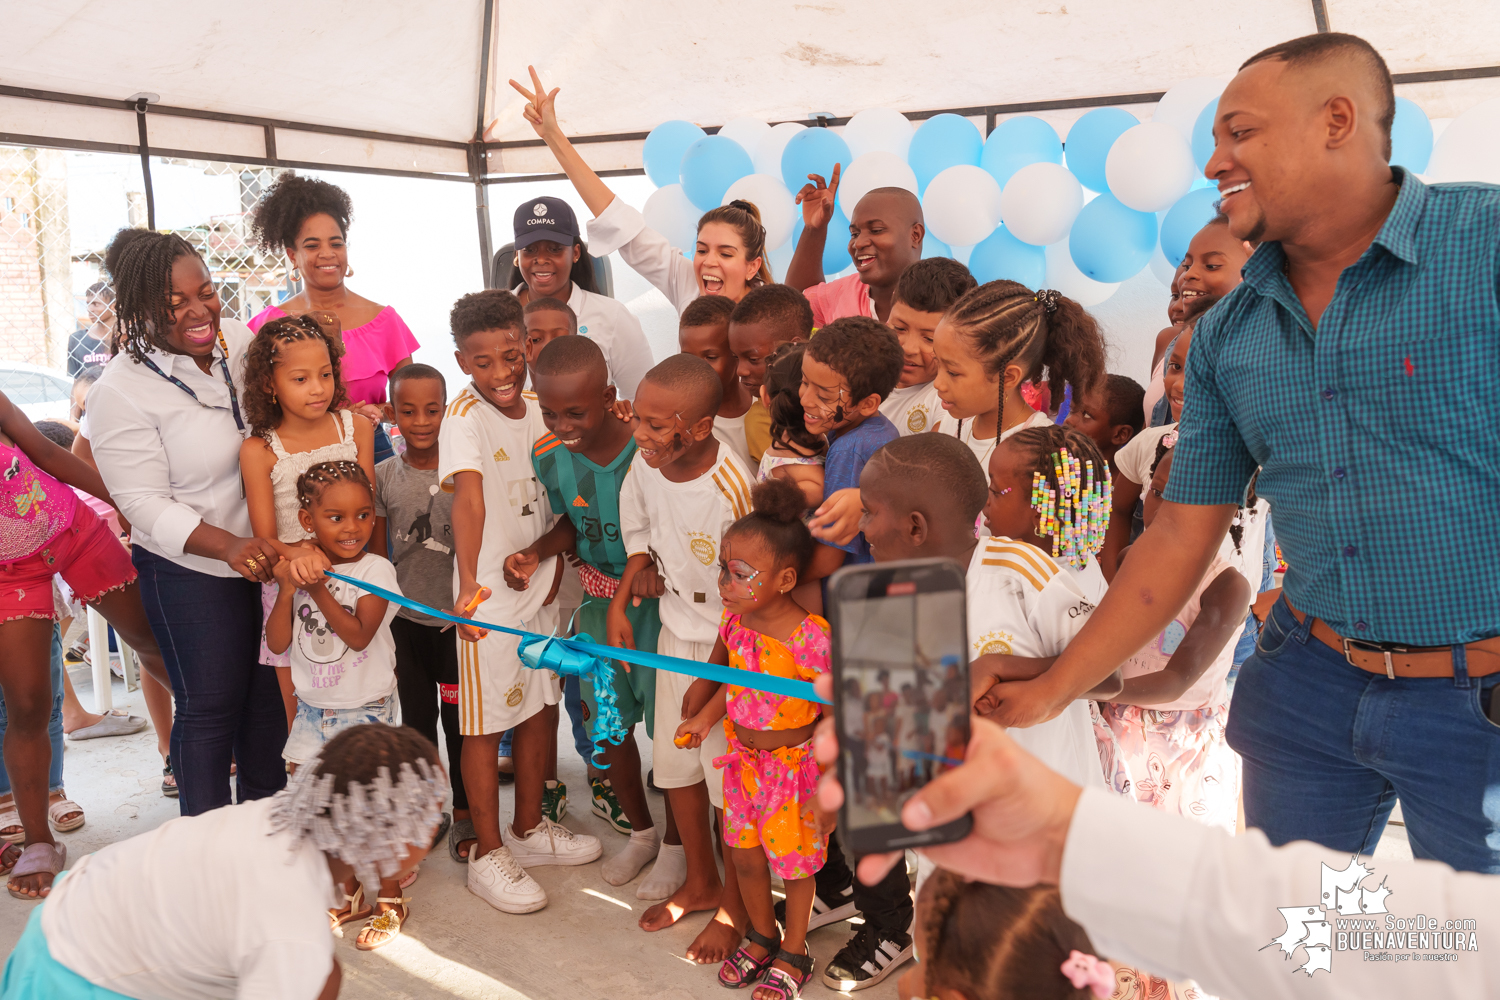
{"x":1087,"y":971}
{"x":1048,"y":298}
{"x":1169,"y":439}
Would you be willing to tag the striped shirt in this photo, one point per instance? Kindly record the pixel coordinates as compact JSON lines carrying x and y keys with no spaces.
{"x":1375,"y":433}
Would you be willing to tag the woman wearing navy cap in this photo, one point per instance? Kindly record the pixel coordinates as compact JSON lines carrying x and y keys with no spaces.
{"x":552,"y":262}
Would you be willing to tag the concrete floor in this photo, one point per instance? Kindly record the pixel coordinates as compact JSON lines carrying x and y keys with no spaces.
{"x":584,"y":944}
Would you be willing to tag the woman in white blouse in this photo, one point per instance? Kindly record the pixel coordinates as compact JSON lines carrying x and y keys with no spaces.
{"x":166,"y":426}
{"x":730,"y":256}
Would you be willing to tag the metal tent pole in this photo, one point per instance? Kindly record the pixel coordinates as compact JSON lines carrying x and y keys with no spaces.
{"x":478,"y":154}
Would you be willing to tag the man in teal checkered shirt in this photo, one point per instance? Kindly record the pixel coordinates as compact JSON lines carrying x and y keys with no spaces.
{"x":1358,"y":366}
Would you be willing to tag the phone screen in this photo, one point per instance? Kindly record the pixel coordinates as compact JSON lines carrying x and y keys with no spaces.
{"x":904,"y":703}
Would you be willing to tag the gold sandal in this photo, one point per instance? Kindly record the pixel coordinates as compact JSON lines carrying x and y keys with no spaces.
{"x":388,"y":922}
{"x":338,"y":918}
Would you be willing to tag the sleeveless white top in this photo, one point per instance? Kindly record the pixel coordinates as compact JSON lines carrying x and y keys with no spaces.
{"x":290,"y":466}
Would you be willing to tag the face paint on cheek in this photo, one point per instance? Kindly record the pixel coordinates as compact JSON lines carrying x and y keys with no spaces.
{"x":838,"y":414}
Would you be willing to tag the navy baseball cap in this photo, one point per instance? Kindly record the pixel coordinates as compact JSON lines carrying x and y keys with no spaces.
{"x":545,"y":219}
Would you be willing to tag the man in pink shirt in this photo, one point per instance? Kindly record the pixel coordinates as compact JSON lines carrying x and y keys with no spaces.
{"x":885,"y":237}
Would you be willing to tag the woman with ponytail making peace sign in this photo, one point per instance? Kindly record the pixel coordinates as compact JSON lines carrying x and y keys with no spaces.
{"x":730,"y":256}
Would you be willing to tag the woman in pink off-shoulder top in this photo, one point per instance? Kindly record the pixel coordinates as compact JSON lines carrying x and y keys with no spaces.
{"x":309,"y":220}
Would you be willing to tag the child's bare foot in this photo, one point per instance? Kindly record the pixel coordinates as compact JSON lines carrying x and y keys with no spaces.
{"x":691,"y":898}
{"x":719,"y":938}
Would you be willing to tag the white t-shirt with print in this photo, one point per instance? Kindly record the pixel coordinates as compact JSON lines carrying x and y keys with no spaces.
{"x":680,"y":525}
{"x":1022,"y":602}
{"x":325,"y":671}
{"x":915,"y":409}
{"x":210,"y":906}
{"x":1134,"y":458}
{"x":477,"y":437}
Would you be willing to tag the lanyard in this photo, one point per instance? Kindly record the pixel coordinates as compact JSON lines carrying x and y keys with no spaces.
{"x":234,"y":398}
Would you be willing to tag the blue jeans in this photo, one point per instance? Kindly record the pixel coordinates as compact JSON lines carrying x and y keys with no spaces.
{"x":573,"y":699}
{"x":228,"y":702}
{"x":54,"y":727}
{"x":1328,"y":748}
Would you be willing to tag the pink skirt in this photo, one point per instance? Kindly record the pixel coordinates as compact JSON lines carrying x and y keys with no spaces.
{"x":1178,"y":762}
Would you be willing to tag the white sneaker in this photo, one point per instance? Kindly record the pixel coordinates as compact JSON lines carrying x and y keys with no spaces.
{"x":497,"y":879}
{"x":550,"y":843}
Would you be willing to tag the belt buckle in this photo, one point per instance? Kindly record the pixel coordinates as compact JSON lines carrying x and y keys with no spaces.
{"x":1383,"y":648}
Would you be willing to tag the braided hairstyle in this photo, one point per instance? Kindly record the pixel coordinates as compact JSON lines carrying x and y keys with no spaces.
{"x":1072,"y":496}
{"x":997,"y":942}
{"x":139,"y":262}
{"x":312,"y":483}
{"x":783,"y":386}
{"x":261,"y":408}
{"x":359,"y":752}
{"x":745,"y":218}
{"x":288,"y":203}
{"x":1006,"y":323}
{"x":776,"y":519}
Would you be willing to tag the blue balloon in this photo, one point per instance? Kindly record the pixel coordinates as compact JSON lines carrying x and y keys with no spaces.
{"x":664,"y":148}
{"x":836,"y":247}
{"x":1184,"y":219}
{"x":940,"y":142}
{"x":1019,"y":142}
{"x":709,"y":166}
{"x":812,"y":151}
{"x":1088,"y":144}
{"x":1110,"y":242}
{"x":1203,"y":134}
{"x":1001,"y":255}
{"x":1411,"y":137}
{"x":934,"y":247}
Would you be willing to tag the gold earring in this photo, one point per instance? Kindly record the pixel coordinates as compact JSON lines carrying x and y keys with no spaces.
{"x":273,"y":397}
{"x":348,"y":271}
{"x":297,"y":275}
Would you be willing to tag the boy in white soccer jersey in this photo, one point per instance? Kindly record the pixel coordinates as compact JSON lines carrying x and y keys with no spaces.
{"x":484,"y":456}
{"x":683,"y":490}
{"x":924,"y":292}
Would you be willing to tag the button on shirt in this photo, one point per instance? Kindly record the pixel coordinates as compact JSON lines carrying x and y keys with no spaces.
{"x":1375,"y":433}
{"x":169,"y":461}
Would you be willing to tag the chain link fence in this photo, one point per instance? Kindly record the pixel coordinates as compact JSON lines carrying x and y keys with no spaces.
{"x":58,"y":210}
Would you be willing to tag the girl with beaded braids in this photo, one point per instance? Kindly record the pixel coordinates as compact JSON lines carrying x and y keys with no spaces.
{"x":1035,"y":582}
{"x":308,"y":220}
{"x":337,"y":637}
{"x":294,"y":399}
{"x":998,"y":337}
{"x":730,"y":255}
{"x":166,"y":422}
{"x":234,"y":903}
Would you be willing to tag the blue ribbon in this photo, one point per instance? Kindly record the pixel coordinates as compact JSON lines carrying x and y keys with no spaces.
{"x":572,"y":656}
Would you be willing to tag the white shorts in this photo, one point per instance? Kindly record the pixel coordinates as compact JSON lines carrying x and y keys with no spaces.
{"x":495,"y":692}
{"x":678,"y":767}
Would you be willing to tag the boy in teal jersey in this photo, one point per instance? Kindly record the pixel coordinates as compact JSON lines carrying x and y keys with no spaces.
{"x":582,"y":463}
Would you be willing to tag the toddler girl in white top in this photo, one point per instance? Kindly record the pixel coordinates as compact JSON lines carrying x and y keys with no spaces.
{"x":795,"y":454}
{"x":294,"y":403}
{"x":338,"y":639}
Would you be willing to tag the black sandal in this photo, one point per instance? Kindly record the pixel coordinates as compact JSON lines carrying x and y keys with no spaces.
{"x":776,"y":979}
{"x":743,"y":969}
{"x":169,"y":789}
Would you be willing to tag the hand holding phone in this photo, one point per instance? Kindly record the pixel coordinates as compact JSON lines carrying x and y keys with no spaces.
{"x":901,"y":694}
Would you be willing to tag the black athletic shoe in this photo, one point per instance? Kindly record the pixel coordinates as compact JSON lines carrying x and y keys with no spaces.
{"x":838,"y":906}
{"x":869,"y":957}
{"x":651,"y":780}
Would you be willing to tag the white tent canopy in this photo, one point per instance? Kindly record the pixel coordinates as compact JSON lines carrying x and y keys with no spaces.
{"x":397,"y":88}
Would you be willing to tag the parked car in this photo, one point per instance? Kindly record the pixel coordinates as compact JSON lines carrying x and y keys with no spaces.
{"x":41,"y":393}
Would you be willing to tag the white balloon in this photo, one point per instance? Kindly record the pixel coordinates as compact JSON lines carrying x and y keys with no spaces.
{"x":669,"y":212}
{"x":1469,"y":149}
{"x":1040,"y":202}
{"x":777,"y":212}
{"x":1181,"y":105}
{"x":1149,"y":167}
{"x":748,"y":132}
{"x":1161,"y":268}
{"x":878,"y":130}
{"x":871,"y":171}
{"x":1063,"y":275}
{"x":1439,"y":126}
{"x":962,"y":205}
{"x":767,"y":153}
